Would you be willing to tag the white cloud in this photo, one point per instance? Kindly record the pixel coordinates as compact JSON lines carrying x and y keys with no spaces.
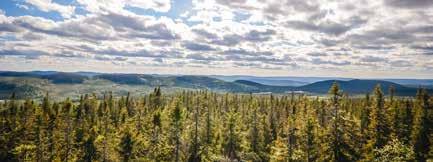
{"x":48,"y":6}
{"x":157,"y":5}
{"x":118,"y":6}
{"x":256,"y":37}
{"x":22,"y":6}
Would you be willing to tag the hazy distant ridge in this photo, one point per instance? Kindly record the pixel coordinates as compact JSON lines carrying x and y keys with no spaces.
{"x":249,"y":84}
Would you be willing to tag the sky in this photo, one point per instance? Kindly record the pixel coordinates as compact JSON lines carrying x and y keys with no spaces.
{"x":350,"y":38}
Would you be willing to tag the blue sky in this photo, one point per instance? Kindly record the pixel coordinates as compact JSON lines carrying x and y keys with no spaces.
{"x":363,"y":39}
{"x":12,"y":8}
{"x":16,"y":8}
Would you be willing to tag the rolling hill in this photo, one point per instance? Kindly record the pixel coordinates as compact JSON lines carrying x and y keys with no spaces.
{"x":64,"y":84}
{"x":357,"y":86}
{"x":55,"y":77}
{"x":277,"y":80}
{"x":266,"y":88}
{"x":352,"y":87}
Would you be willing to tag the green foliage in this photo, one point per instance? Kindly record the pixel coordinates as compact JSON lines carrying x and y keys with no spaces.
{"x":279,"y":151}
{"x":126,"y":146}
{"x":422,"y":130}
{"x":208,"y":126}
{"x":394,"y":151}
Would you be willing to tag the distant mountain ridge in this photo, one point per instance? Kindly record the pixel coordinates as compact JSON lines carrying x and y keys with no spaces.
{"x":358,"y":86}
{"x":278,"y":81}
{"x":55,"y":77}
{"x":299,"y":81}
{"x":350,"y":86}
{"x":355,"y":86}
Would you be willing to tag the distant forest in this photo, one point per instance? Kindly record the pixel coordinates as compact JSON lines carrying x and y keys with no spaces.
{"x":207,"y":126}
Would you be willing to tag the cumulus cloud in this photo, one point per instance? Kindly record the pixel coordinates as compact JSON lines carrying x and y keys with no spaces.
{"x":328,"y":27}
{"x":198,"y":47}
{"x":401,"y":63}
{"x":373,"y":59}
{"x":32,"y":54}
{"x":205,"y":34}
{"x":48,"y":5}
{"x":104,"y":6}
{"x":317,"y":54}
{"x":319,"y":61}
{"x":259,"y":36}
{"x":96,"y":28}
{"x":278,"y":36}
{"x":232,"y":39}
{"x":423,"y":47}
{"x":409,"y":4}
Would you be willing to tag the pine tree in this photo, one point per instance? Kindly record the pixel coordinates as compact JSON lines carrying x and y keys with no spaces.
{"x":156,"y":98}
{"x":195,"y":144}
{"x":67,"y":131}
{"x":254,"y":133}
{"x":38,"y":137}
{"x":206,"y":126}
{"x":126,"y":146}
{"x":311,"y":144}
{"x":51,"y":126}
{"x":232,"y":139}
{"x":365,"y":114}
{"x":335,"y":94}
{"x":90,"y":149}
{"x":335,"y":138}
{"x":291,"y":138}
{"x":379,"y":131}
{"x":279,"y":151}
{"x":176,"y":122}
{"x":394,"y":151}
{"x":423,"y":126}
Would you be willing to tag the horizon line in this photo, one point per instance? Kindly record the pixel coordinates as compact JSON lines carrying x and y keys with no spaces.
{"x":229,"y":75}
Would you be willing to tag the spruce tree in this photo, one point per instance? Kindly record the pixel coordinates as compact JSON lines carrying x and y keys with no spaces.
{"x":311,"y":143}
{"x":232,"y":139}
{"x":378,"y":128}
{"x":90,"y":153}
{"x":126,"y":145}
{"x":422,"y":126}
{"x":176,"y":123}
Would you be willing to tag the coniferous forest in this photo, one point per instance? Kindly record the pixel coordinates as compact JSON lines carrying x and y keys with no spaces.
{"x":207,"y":126}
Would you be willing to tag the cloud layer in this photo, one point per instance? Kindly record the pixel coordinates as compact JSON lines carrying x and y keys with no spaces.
{"x":355,"y":38}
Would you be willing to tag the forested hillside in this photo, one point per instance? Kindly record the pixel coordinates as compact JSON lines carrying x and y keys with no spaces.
{"x":73,"y":84}
{"x":208,"y":126}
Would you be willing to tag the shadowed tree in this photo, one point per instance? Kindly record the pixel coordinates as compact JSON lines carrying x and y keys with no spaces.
{"x":126,"y":146}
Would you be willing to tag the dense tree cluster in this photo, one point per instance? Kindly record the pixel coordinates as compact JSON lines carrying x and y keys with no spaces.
{"x":206,"y":126}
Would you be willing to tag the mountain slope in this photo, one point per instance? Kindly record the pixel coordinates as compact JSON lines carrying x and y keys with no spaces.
{"x":65,"y":78}
{"x":38,"y":81}
{"x":266,"y":88}
{"x":277,"y":80}
{"x":210,"y":83}
{"x":55,"y":77}
{"x":186,"y":81}
{"x":357,"y":86}
{"x":23,"y":87}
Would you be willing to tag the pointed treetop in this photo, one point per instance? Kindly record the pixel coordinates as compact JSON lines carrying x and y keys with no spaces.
{"x":13,"y":96}
{"x":378,"y":91}
{"x":334,"y":90}
{"x":157,"y":91}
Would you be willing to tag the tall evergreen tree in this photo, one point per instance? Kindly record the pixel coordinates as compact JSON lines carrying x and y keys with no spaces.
{"x":379,"y":130}
{"x":126,"y":145}
{"x":195,"y":144}
{"x":232,"y":138}
{"x":207,"y":126}
{"x":311,"y":143}
{"x":176,"y":122}
{"x":90,"y":153}
{"x":422,"y":126}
